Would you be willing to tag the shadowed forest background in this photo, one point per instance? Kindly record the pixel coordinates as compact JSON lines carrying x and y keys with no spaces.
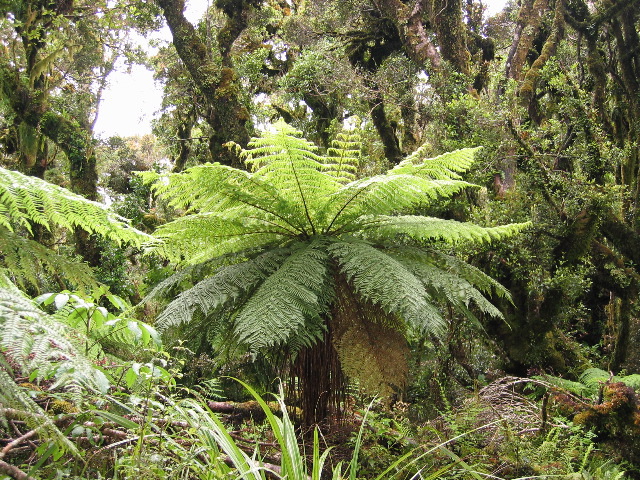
{"x":416,"y":224}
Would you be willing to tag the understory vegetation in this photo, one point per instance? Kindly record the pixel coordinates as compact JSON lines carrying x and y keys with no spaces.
{"x":365,"y":240}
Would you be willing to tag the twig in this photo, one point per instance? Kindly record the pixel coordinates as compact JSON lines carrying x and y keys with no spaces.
{"x":14,"y":472}
{"x":16,"y":442}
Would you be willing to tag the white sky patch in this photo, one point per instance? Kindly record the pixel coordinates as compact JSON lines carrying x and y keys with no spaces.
{"x":493,"y":6}
{"x":132,"y":98}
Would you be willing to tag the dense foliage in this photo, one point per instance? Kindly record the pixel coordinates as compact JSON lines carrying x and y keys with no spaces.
{"x":315,"y":218}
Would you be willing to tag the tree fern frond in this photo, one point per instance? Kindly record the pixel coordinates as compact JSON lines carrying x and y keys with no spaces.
{"x":228,"y":285}
{"x":267,"y":150}
{"x":343,"y":157}
{"x":215,"y":187}
{"x":473,"y":275}
{"x":385,"y":195}
{"x":447,"y":166}
{"x":428,"y":229}
{"x":285,"y":160}
{"x":447,"y":285}
{"x":290,"y":302}
{"x":197,"y":237}
{"x":27,"y":260}
{"x":189,"y":275}
{"x":27,"y":199}
{"x":166,"y":287}
{"x":385,"y":281}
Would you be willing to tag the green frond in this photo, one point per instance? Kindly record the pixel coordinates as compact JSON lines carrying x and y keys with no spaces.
{"x":26,"y":199}
{"x":383,"y":280}
{"x":198,"y":237}
{"x":577,"y":388}
{"x":384,"y":195}
{"x":632,"y":380}
{"x":343,"y":157}
{"x":191,"y":274}
{"x":473,"y":275}
{"x":594,"y":377}
{"x":229,"y":285}
{"x":291,"y":302}
{"x":282,"y":144}
{"x":447,"y":166}
{"x":591,"y":381}
{"x":214,"y":187}
{"x":283,"y":159}
{"x":27,"y":260}
{"x":429,"y":229}
{"x":444,"y":284}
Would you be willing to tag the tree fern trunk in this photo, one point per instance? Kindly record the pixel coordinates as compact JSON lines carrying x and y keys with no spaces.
{"x":318,"y":382}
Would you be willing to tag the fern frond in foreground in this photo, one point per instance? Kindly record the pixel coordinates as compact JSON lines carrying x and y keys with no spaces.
{"x":42,"y":349}
{"x":299,"y":230}
{"x":25,"y":200}
{"x":38,"y":343}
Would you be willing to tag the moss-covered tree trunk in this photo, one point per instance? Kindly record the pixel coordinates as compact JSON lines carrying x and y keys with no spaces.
{"x":447,"y":21}
{"x":30,"y":107}
{"x":408,"y":18}
{"x":217,"y":81}
{"x":527,"y":89}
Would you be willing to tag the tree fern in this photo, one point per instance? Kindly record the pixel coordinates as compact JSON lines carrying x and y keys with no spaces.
{"x":327,"y":232}
{"x":441,"y":283}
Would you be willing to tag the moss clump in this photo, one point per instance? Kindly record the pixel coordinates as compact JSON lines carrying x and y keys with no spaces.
{"x":62,"y":406}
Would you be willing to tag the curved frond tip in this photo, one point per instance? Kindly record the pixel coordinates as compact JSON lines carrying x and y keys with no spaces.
{"x":25,"y":199}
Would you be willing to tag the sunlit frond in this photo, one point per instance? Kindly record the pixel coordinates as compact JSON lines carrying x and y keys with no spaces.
{"x":25,"y":200}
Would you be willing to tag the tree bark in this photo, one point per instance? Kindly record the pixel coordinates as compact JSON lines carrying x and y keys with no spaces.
{"x":446,"y":17}
{"x":414,"y":36}
{"x":529,"y":84}
{"x":225,"y":113}
{"x":528,"y":27}
{"x":30,"y":107}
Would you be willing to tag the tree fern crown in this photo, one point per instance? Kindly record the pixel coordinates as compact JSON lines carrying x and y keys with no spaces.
{"x":298,"y":223}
